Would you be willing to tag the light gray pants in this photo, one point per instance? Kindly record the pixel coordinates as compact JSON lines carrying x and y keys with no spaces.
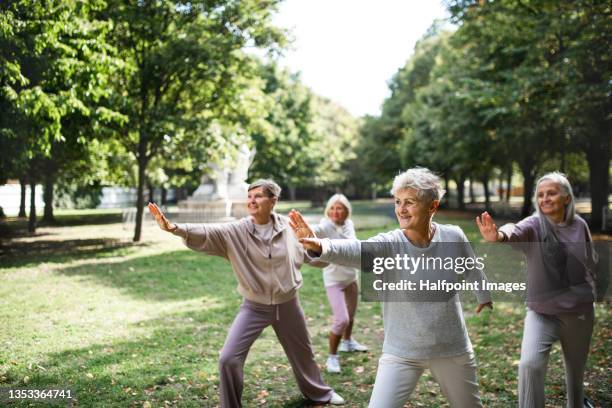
{"x":397,"y":377}
{"x":287,"y":320}
{"x":541,"y":331}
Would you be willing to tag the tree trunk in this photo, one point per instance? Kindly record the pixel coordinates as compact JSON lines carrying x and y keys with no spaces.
{"x":461,"y":193}
{"x":32,"y":219}
{"x":164,"y":196}
{"x":487,"y":193}
{"x":598,"y":157}
{"x":22,"y":200}
{"x":48,"y":198}
{"x":509,"y":184}
{"x":472,"y":195}
{"x":292,"y":193}
{"x":528,"y":170}
{"x":142,"y":170}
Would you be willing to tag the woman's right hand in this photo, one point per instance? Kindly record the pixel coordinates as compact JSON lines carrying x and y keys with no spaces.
{"x":161,"y":219}
{"x":487,"y":227}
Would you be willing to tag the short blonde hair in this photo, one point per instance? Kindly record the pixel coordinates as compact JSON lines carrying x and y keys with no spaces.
{"x":424,"y":181}
{"x":341,"y":198}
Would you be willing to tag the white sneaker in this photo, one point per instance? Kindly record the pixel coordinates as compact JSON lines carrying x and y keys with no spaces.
{"x":333,"y":365}
{"x":351,"y":345}
{"x":336,"y":399}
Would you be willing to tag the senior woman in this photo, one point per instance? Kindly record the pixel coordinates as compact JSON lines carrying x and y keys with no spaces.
{"x":266,"y":258}
{"x":418,"y":334}
{"x":559,"y":287}
{"x":340,"y":281}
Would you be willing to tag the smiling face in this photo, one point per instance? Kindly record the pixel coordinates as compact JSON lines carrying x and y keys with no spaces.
{"x":260,"y":204}
{"x":337,"y":213}
{"x":413,"y":214}
{"x":552,"y":200}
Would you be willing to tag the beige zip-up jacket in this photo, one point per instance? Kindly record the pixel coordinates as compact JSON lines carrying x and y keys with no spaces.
{"x":266,"y":273}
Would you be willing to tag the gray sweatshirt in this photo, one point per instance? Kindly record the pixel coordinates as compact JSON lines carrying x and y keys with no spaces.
{"x":417,"y":330}
{"x":334,"y":273}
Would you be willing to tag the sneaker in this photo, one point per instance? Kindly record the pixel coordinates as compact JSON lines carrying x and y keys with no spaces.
{"x":333,"y":365}
{"x":588,"y":403}
{"x":351,"y":345}
{"x":336,"y":399}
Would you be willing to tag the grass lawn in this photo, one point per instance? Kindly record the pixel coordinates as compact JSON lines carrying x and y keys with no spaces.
{"x":141,"y":325}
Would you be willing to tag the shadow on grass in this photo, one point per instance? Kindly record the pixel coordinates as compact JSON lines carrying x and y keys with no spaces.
{"x":18,"y":254}
{"x":171,"y":276}
{"x":175,"y":361}
{"x":14,"y":227}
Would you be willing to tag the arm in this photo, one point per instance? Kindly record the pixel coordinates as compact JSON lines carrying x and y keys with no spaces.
{"x":199,"y":237}
{"x":339,"y":251}
{"x":476,"y":275}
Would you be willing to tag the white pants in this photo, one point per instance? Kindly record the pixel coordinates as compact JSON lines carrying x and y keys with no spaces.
{"x":541,"y":332}
{"x":397,"y":377}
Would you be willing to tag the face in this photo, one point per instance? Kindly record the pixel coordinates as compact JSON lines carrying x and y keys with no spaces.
{"x":412,"y":213}
{"x":337,"y":213}
{"x":551,"y":199}
{"x":259,"y":204}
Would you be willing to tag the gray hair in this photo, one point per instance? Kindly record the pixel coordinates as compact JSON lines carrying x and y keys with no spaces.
{"x":269,"y":186}
{"x":341,"y":198}
{"x":424,"y":181}
{"x":566,"y":189}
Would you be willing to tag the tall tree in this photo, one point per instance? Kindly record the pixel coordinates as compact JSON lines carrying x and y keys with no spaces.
{"x":182,"y":61}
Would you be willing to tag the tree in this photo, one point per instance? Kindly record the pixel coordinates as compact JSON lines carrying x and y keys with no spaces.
{"x":181,"y":63}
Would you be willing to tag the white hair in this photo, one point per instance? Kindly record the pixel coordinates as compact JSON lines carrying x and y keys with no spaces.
{"x":339,"y":198}
{"x":566,"y":189}
{"x":424,"y":181}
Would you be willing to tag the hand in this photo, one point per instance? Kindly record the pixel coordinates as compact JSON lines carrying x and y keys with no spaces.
{"x":312,"y":244}
{"x":487,"y":227}
{"x":299,"y":225}
{"x":483,"y":305}
{"x":161,"y":219}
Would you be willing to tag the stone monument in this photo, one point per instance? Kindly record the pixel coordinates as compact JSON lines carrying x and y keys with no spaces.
{"x":222,"y":195}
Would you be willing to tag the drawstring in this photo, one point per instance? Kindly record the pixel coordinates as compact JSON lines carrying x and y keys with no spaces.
{"x":277,"y":313}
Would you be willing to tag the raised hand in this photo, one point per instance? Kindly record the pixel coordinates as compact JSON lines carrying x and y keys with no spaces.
{"x":303,"y":232}
{"x":161,"y":219}
{"x":299,"y":226}
{"x":487,"y":227}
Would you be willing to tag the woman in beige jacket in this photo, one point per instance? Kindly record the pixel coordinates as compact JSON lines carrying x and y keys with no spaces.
{"x":266,"y":258}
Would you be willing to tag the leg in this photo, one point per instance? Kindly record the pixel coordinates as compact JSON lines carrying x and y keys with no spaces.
{"x":247,"y":326}
{"x":576,"y":331}
{"x":539,"y":334}
{"x":396,"y":378}
{"x":457,"y":379}
{"x":340,"y":312}
{"x":291,"y":330}
{"x":351,"y":295}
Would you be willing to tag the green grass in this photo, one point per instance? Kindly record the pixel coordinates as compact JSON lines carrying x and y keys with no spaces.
{"x":141,"y":325}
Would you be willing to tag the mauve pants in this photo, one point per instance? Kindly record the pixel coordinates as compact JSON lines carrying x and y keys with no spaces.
{"x":289,"y":324}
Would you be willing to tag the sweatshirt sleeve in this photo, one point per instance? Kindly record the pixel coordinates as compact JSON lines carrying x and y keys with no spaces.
{"x":207,"y":238}
{"x":523,"y":231}
{"x":345,"y":252}
{"x":475,"y":274}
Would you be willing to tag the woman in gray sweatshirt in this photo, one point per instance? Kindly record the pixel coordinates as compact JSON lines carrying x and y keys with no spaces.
{"x":560,"y":260}
{"x":424,"y":333}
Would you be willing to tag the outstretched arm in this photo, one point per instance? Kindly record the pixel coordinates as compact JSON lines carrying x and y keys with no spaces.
{"x":161,"y":219}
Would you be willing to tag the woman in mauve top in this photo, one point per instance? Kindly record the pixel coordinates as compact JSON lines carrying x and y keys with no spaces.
{"x":557,"y":246}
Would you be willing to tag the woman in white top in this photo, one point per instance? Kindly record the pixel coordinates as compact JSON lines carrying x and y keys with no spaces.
{"x":340,"y":281}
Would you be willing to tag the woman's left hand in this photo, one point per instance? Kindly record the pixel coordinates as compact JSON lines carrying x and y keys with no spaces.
{"x":483,"y":305}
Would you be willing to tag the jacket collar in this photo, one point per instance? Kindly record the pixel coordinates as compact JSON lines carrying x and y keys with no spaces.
{"x":278,"y":223}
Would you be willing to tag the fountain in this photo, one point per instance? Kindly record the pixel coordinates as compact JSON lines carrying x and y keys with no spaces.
{"x":221,"y":196}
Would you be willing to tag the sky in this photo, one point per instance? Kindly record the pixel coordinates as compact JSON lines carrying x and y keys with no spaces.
{"x":348,"y":50}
